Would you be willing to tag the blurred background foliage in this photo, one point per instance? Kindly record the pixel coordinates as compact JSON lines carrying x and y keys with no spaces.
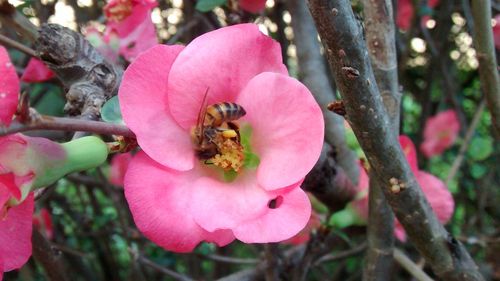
{"x":93,"y":229}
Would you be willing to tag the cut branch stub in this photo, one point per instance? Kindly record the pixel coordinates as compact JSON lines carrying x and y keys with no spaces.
{"x":89,"y":79}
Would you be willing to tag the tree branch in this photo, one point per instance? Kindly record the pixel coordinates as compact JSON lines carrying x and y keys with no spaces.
{"x":353,"y":73}
{"x":313,"y":73}
{"x":49,"y":257}
{"x":380,"y":41}
{"x":4,"y":40}
{"x":485,"y":50}
{"x":67,"y":124}
{"x":91,"y":80}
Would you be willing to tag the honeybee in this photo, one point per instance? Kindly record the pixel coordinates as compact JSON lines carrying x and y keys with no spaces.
{"x":214,"y":126}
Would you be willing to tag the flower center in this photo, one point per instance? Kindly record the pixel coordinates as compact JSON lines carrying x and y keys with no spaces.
{"x":226,"y":147}
{"x":230,"y":151}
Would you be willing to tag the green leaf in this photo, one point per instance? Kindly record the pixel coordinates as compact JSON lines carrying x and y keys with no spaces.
{"x":110,"y":112}
{"x":208,"y":5}
{"x":480,"y":148}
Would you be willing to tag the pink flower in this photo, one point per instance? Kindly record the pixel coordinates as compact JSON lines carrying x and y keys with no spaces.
{"x":406,"y":12}
{"x":496,"y":32}
{"x":9,"y":88}
{"x":36,"y":71}
{"x":26,"y":163}
{"x":305,"y":234}
{"x":178,"y":201}
{"x":440,"y":133}
{"x":434,"y":189}
{"x":131,"y":20}
{"x":119,"y":165}
{"x":43,"y":222}
{"x":15,"y":233}
{"x":252,"y":6}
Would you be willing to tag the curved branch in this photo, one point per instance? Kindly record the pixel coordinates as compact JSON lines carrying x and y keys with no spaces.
{"x":368,"y":117}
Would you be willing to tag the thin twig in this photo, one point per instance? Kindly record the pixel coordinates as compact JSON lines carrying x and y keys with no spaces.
{"x":67,"y":124}
{"x":342,"y":255}
{"x":225,"y":259}
{"x":410,"y":266}
{"x":16,"y":45}
{"x":177,"y":276}
{"x":485,"y":50}
{"x":465,"y":145}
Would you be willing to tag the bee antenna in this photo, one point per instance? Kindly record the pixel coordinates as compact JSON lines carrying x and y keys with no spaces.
{"x":201,"y":116}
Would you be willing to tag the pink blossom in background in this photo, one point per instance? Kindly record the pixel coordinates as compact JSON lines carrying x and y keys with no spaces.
{"x":360,"y":204}
{"x":42,"y":220}
{"x":252,"y":6}
{"x":119,"y":165}
{"x":36,"y":71}
{"x":131,"y":20}
{"x":440,"y":133}
{"x":496,"y":31}
{"x":406,"y":13}
{"x":108,"y":45}
{"x":176,"y":200}
{"x":435,"y":190}
{"x":9,"y":88}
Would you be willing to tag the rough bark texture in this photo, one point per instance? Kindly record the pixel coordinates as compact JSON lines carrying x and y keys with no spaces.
{"x":313,"y":73}
{"x":488,"y":72}
{"x":89,"y":79}
{"x":366,"y":113}
{"x":380,"y":41}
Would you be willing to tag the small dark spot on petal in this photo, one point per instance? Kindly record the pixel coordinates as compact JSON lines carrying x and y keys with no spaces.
{"x":275,"y":203}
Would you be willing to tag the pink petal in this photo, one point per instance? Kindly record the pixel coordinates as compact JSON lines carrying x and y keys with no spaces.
{"x":143,"y":103}
{"x":496,"y":32}
{"x":252,"y":6}
{"x":15,"y":235}
{"x":8,"y":182}
{"x":304,"y":235}
{"x":159,"y":198}
{"x":36,"y":71}
{"x":9,"y":88}
{"x":440,"y":133}
{"x":139,"y":40}
{"x":439,"y":198}
{"x":410,"y":151}
{"x":433,"y":3}
{"x":404,"y":14}
{"x":280,"y":223}
{"x":287,"y":128}
{"x":119,"y":165}
{"x":223,"y":205}
{"x":222,"y":61}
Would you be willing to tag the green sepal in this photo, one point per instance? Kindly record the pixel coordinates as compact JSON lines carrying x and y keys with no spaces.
{"x":80,"y":155}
